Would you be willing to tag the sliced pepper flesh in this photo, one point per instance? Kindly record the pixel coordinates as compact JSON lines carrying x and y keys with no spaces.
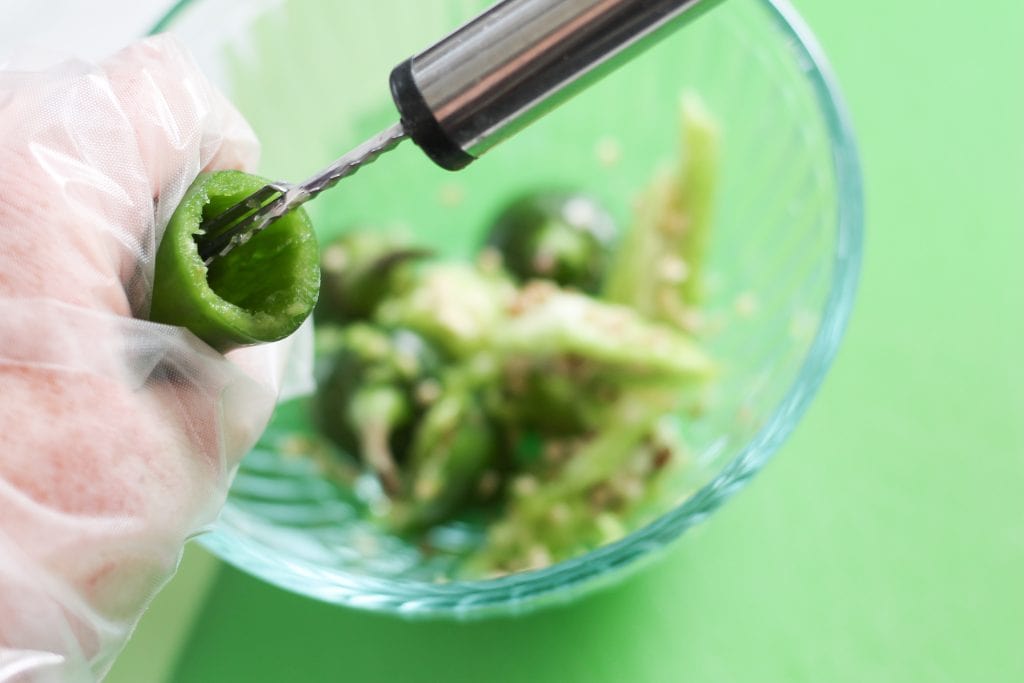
{"x":260,"y":291}
{"x":659,"y":268}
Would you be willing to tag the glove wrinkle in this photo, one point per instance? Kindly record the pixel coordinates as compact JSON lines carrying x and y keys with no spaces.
{"x":118,"y":436}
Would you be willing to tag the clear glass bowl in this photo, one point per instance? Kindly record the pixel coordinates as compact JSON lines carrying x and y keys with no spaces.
{"x":311,"y":76}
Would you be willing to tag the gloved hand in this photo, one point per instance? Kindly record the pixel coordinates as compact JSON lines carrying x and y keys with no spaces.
{"x":118,"y":437}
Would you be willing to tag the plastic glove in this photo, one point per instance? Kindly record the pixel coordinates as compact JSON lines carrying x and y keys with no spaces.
{"x":118,"y":437}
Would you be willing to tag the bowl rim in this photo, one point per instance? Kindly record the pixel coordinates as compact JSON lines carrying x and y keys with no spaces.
{"x":565,"y":580}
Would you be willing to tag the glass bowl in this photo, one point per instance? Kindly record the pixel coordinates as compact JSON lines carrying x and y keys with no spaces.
{"x":311,"y":77}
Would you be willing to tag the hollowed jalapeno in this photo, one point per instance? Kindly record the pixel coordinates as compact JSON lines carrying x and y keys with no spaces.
{"x":261,"y":291}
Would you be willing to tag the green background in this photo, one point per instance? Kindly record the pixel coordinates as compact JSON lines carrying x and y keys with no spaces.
{"x":885,"y":542}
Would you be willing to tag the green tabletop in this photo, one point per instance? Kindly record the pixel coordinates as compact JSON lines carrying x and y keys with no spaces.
{"x":886,"y":540}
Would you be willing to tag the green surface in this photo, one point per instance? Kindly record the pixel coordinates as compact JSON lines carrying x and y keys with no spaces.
{"x":886,"y":540}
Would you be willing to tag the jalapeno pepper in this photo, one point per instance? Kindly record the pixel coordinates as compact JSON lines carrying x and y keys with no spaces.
{"x":370,"y":402}
{"x":360,"y":269}
{"x":454,"y":444}
{"x":261,"y":291}
{"x":560,"y":236}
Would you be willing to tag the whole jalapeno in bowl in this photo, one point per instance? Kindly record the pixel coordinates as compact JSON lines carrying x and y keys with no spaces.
{"x":379,"y":384}
{"x":555,"y":235}
{"x":360,"y":269}
{"x":453,"y":445}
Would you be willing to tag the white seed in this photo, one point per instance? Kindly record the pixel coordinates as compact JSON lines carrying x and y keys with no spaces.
{"x":489,"y":260}
{"x":579,"y":212}
{"x":428,"y":391}
{"x":451,"y":194}
{"x":610,"y":527}
{"x":673,"y":269}
{"x":334,"y":258}
{"x":560,"y":514}
{"x":426,"y":488}
{"x":538,"y":557}
{"x":524,"y":486}
{"x":746,"y":305}
{"x":608,"y":151}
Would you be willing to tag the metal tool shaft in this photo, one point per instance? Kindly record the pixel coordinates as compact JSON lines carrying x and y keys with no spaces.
{"x":517,"y":61}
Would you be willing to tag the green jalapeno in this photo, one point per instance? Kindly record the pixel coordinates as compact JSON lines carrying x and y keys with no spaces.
{"x":560,"y":236}
{"x":360,"y":269}
{"x":454,"y":444}
{"x":374,"y":413}
{"x":372,"y":396}
{"x":552,"y":394}
{"x":587,"y":500}
{"x":261,"y":291}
